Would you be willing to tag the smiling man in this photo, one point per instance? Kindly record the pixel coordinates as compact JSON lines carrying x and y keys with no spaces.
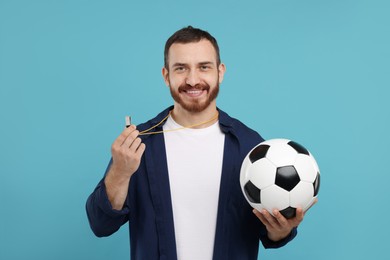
{"x":175,"y":178}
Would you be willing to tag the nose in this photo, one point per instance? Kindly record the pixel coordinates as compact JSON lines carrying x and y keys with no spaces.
{"x":192,"y":78}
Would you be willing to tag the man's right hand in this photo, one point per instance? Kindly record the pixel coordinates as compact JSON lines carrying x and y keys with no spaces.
{"x":126,"y":152}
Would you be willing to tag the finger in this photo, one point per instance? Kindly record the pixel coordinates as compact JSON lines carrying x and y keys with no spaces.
{"x":299,"y":214}
{"x":135,"y":144}
{"x":257,"y":213}
{"x":270,"y":219}
{"x":140,"y":150}
{"x":130,"y":139}
{"x":122,"y":137}
{"x":261,"y":217}
{"x":280,"y":218}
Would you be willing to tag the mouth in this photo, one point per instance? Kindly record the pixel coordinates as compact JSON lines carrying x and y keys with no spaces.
{"x":194,"y":92}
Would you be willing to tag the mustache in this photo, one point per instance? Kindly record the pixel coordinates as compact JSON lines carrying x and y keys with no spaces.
{"x":201,"y":86}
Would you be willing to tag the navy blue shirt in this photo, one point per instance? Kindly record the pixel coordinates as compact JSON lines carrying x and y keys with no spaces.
{"x":148,"y":207}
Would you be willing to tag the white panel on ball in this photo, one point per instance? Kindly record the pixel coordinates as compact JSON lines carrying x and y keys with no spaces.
{"x":275,"y":197}
{"x":262,"y":173}
{"x":305,"y":167}
{"x":281,"y":154}
{"x":244,"y":176}
{"x":301,"y":195}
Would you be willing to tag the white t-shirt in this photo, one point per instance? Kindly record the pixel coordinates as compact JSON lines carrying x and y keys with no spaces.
{"x":194,"y":158}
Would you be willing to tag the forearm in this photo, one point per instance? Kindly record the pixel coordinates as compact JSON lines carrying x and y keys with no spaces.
{"x":117,"y":186}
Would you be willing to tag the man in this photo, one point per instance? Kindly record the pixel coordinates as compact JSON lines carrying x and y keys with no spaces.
{"x":175,"y":178}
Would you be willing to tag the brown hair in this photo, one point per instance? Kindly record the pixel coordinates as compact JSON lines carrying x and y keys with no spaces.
{"x":190,"y":34}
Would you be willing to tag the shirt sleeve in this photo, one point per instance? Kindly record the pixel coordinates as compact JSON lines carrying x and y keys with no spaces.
{"x":103,"y":219}
{"x":268,"y":243}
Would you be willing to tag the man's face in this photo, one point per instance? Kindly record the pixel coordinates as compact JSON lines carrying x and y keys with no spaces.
{"x":193,"y":75}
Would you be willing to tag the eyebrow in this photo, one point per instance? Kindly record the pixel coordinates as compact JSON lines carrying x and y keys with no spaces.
{"x":179,"y":64}
{"x":206,"y":63}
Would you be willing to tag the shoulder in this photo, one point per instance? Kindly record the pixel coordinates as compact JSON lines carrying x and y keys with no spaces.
{"x":156,"y":123}
{"x":246,"y":136}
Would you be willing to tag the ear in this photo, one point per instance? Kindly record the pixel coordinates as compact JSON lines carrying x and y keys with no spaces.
{"x":221,"y":72}
{"x":165,"y":73}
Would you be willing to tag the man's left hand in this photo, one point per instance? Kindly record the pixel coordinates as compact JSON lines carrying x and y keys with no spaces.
{"x":278,"y":227}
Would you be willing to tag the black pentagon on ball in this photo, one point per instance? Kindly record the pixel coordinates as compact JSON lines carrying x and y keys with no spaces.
{"x":289,"y":212}
{"x":252,"y":192}
{"x":287,"y":177}
{"x":258,"y":152}
{"x":297,"y":147}
{"x":316,"y":184}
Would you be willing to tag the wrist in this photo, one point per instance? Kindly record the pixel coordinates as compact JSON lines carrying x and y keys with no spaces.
{"x":276,"y":236}
{"x":117,"y":186}
{"x":117,"y":177}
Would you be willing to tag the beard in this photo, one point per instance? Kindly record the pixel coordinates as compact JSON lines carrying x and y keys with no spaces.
{"x":195,"y":105}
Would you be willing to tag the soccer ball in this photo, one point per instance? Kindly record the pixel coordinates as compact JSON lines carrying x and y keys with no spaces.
{"x":280,"y":174}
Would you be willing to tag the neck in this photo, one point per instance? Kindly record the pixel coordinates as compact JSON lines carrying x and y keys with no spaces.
{"x":187,"y":118}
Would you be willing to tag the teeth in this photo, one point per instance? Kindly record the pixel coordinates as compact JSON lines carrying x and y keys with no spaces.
{"x":194,"y":91}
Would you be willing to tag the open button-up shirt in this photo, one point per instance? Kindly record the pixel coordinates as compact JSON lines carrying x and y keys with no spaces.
{"x":148,"y":207}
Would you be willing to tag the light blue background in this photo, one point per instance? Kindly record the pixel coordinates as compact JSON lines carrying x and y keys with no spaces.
{"x":316,"y":72}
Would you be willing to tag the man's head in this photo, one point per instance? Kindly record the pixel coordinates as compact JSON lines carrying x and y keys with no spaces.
{"x":192,"y":69}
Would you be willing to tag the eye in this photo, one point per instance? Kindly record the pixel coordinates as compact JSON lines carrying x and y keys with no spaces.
{"x":204,"y":67}
{"x":180,"y":68}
